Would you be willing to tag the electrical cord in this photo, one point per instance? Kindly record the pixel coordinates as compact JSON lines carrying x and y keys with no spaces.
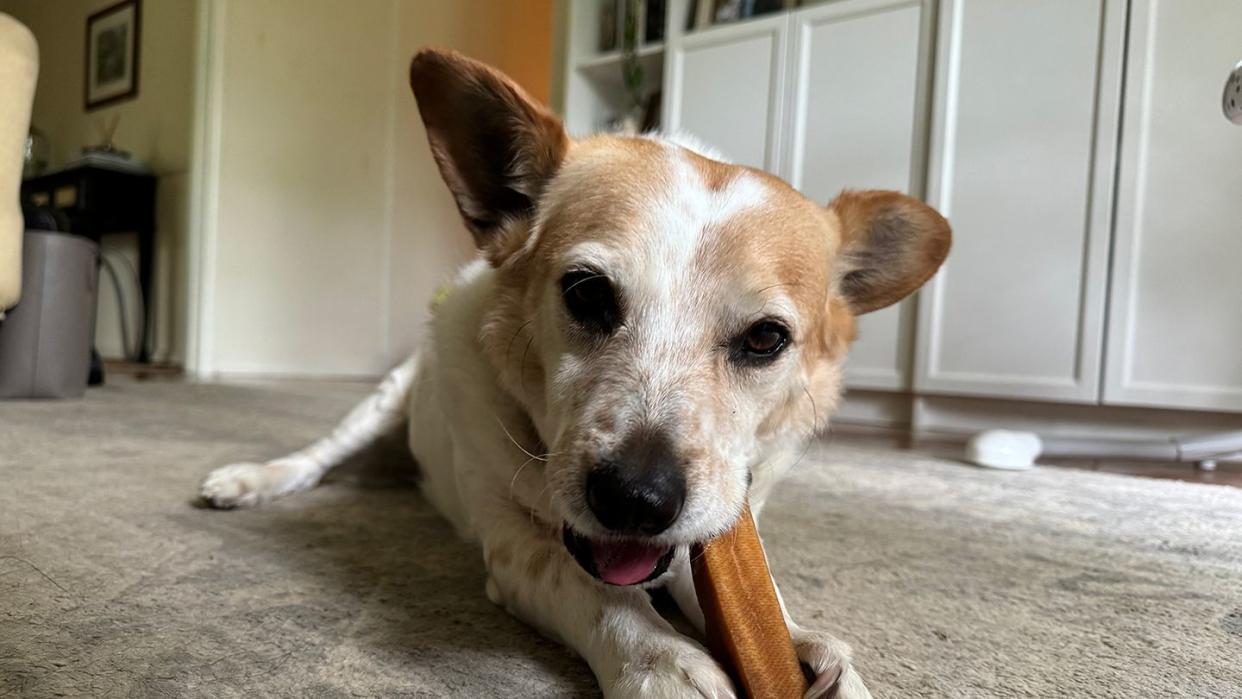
{"x":142,"y":307}
{"x":120,"y":303}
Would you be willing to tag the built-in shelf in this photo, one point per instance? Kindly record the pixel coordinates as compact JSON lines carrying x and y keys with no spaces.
{"x":596,"y":94}
{"x":612,"y":59}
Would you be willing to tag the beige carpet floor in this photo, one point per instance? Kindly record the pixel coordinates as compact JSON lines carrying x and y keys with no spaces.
{"x":949,"y":581}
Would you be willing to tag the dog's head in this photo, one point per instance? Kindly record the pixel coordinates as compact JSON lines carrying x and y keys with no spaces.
{"x":667,"y":320}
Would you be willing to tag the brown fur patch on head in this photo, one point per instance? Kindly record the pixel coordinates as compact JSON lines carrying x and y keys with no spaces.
{"x":791,"y":243}
{"x":839,"y":328}
{"x":615,"y":180}
{"x":784,"y":243}
{"x":715,"y":174}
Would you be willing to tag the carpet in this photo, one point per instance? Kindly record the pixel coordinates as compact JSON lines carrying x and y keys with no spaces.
{"x":949,"y":581}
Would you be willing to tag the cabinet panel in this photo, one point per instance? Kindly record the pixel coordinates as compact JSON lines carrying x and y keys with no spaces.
{"x":1175,"y":335}
{"x":1023,"y":152}
{"x":856,"y":80}
{"x":725,"y":86}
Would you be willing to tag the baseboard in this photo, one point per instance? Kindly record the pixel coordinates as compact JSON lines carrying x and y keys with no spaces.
{"x":875,"y":409}
{"x":269,"y":375}
{"x":954,"y":419}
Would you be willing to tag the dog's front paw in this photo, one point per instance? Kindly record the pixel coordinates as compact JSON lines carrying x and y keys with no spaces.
{"x":677,"y":669}
{"x":236,"y":485}
{"x":829,"y":660}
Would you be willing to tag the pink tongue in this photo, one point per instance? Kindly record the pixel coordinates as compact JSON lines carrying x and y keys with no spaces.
{"x":625,"y":562}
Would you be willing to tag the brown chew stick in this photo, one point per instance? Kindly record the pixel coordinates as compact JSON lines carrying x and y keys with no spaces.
{"x":746,"y":630}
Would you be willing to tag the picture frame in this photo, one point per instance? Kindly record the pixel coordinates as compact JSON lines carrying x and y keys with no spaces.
{"x":113,"y":43}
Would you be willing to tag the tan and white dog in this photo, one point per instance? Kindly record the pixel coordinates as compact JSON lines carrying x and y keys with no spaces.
{"x":649,"y":339}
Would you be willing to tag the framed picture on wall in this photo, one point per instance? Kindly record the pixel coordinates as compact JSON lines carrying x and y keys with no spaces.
{"x":112,"y":41}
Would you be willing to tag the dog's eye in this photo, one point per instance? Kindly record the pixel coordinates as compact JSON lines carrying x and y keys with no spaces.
{"x":591,"y":300}
{"x":762,"y":342}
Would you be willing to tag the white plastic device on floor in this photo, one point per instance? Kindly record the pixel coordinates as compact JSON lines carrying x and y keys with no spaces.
{"x":1016,"y":451}
{"x":1006,"y":450}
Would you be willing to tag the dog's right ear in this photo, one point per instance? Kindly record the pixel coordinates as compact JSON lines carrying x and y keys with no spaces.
{"x":496,"y":147}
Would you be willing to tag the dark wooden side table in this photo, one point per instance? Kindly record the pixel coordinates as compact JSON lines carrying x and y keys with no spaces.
{"x":97,"y":201}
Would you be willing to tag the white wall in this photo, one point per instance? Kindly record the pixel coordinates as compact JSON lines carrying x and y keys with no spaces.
{"x":327,"y":225}
{"x":155,"y":127}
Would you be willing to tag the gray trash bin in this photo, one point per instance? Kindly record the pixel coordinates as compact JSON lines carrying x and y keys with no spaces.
{"x":45,"y":341}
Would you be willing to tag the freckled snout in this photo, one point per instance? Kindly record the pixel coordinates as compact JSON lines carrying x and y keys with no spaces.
{"x":639,"y":489}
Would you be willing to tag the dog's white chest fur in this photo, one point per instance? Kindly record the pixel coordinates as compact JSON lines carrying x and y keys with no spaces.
{"x":456,"y":406}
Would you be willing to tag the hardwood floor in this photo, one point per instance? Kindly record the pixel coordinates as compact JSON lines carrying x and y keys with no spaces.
{"x":1225,"y":474}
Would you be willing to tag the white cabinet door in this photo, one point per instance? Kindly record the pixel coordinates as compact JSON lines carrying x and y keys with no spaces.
{"x":1175,"y":329}
{"x":855,"y":123}
{"x":1022,"y":159}
{"x":726,"y":84}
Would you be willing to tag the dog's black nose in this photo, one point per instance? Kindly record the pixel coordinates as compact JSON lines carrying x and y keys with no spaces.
{"x":640,"y":490}
{"x":634,"y":503}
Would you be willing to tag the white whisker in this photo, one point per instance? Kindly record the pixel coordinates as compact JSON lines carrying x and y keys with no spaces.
{"x":515,"y":442}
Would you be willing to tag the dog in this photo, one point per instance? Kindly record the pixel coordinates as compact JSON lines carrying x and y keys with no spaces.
{"x":648,"y":339}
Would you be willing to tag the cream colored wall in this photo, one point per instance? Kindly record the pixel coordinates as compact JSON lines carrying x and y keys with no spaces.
{"x":155,"y":127}
{"x":332,"y":227}
{"x":302,"y":222}
{"x":428,"y":240}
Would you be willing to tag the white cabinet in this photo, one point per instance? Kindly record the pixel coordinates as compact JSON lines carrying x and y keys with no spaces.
{"x":1023,"y":152}
{"x":856,"y":113}
{"x":1175,"y":328}
{"x":1096,"y":256}
{"x":725,"y":85}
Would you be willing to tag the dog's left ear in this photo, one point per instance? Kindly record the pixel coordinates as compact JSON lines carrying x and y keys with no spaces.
{"x":496,"y":146}
{"x":891,"y":245}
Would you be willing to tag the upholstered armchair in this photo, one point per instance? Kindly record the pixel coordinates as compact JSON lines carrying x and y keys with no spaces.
{"x":19,"y":65}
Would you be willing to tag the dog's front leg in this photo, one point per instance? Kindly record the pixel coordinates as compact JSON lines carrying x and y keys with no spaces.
{"x":631,"y":649}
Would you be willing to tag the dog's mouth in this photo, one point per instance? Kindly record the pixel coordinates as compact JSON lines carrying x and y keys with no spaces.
{"x":618,"y":561}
